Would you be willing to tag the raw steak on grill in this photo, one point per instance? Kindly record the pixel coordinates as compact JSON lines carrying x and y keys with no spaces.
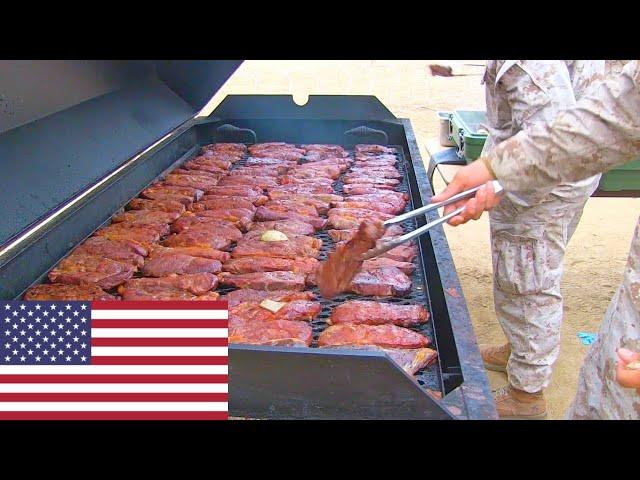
{"x":386,"y":336}
{"x":378,"y":313}
{"x":63,"y":291}
{"x":274,"y":333}
{"x":260,"y":182}
{"x":143,"y":236}
{"x":121,"y":250}
{"x":81,"y":268}
{"x":221,"y":203}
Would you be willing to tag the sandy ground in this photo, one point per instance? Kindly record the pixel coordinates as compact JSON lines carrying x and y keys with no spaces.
{"x":597,"y":253}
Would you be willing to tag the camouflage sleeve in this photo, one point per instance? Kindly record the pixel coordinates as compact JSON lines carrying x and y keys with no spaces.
{"x":601,"y":131}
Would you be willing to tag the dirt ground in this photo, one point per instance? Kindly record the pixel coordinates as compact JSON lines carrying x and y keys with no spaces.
{"x":597,"y":253}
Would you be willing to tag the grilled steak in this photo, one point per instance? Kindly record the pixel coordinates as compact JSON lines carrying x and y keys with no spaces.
{"x":366,"y":189}
{"x":254,"y":195}
{"x":120,"y":250}
{"x":81,"y":268}
{"x":386,"y":336}
{"x":201,"y":252}
{"x":198,"y":222}
{"x":199,"y":237}
{"x":293,"y":248}
{"x":374,"y":171}
{"x":264,"y":280}
{"x":143,"y":236}
{"x":261,"y":171}
{"x":402,"y":253}
{"x":265,"y":213}
{"x":306,"y":266}
{"x":260,"y":182}
{"x":256,"y":296}
{"x":337,"y":272}
{"x":201,"y":183}
{"x":203,"y":174}
{"x":316,"y":201}
{"x":396,"y":199}
{"x":378,"y":313}
{"x":173,"y":287}
{"x":239,"y":217}
{"x":377,"y":149}
{"x":387,"y":281}
{"x":160,"y":205}
{"x":296,"y":310}
{"x":208,"y":164}
{"x":347,"y":218}
{"x":345,"y":235}
{"x":145,"y":216}
{"x":222,"y":203}
{"x":287,"y":227}
{"x":372,"y":206}
{"x":166,"y":188}
{"x":291,"y":206}
{"x":382,"y":262}
{"x":179,"y":263}
{"x":302,"y":188}
{"x":289,"y":180}
{"x":363,"y":179}
{"x":411,"y":360}
{"x":274,"y":333}
{"x":63,"y":291}
{"x":269,"y":162}
{"x":376,"y":157}
{"x":239,"y":148}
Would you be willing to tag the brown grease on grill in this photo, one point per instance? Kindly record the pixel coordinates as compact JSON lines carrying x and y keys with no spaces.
{"x":335,"y":274}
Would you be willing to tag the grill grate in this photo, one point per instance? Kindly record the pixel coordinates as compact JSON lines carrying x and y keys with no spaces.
{"x":429,"y":377}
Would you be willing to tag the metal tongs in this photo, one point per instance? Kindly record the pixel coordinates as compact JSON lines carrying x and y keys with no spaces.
{"x":387,"y":245}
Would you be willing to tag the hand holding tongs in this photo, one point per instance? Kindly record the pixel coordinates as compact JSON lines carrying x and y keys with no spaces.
{"x":387,"y":245}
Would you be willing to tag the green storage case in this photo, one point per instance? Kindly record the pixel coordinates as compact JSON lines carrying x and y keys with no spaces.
{"x":625,"y":178}
{"x":465,"y":131}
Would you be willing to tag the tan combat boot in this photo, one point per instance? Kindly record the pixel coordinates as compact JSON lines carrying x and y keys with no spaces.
{"x":495,"y":358}
{"x":513,"y":404}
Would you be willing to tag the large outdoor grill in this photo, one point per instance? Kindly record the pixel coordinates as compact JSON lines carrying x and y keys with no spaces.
{"x":76,"y":148}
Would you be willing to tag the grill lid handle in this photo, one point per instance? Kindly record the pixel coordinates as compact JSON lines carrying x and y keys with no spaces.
{"x":228,"y":133}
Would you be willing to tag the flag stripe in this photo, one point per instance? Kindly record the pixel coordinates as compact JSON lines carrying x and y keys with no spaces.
{"x":115,"y":369}
{"x":106,"y":379}
{"x":161,"y":323}
{"x":114,"y":388}
{"x":112,"y":397}
{"x":98,"y":415}
{"x":113,"y":407}
{"x":160,"y":332}
{"x":159,"y":360}
{"x":154,"y":315}
{"x":159,"y":342}
{"x":97,"y":352}
{"x":158,"y":305}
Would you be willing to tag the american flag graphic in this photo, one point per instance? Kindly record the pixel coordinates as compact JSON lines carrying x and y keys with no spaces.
{"x":112,"y":360}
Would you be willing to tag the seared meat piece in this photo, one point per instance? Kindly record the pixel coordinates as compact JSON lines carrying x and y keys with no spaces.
{"x":265,"y":213}
{"x":306,"y":266}
{"x":320,"y":206}
{"x":260,"y":182}
{"x":161,"y":229}
{"x":411,"y":360}
{"x":366,"y":148}
{"x":324,"y":148}
{"x":254,"y":195}
{"x":382,"y":262}
{"x":346,"y":235}
{"x":376,"y":157}
{"x":200,"y":183}
{"x":311,"y":170}
{"x":302,"y":188}
{"x":120,"y":250}
{"x":268,"y":162}
{"x":218,"y":203}
{"x":264,"y":280}
{"x":179,"y":263}
{"x":205,"y":175}
{"x":201,"y":252}
{"x":386,"y":336}
{"x":366,"y":188}
{"x":63,"y":291}
{"x":159,"y":205}
{"x":194,"y":193}
{"x":239,"y":148}
{"x":263,"y":171}
{"x":377,"y":172}
{"x":321,"y":181}
{"x":82,"y":268}
{"x":373,"y":206}
{"x":198,"y":237}
{"x":347,"y":218}
{"x":172,"y":287}
{"x":146,"y":216}
{"x":291,"y":206}
{"x":221,"y":156}
{"x":240,"y":217}
{"x":293,"y":248}
{"x":200,"y":222}
{"x":248,"y":295}
{"x":143,"y":236}
{"x":287,"y":227}
{"x":402,"y":253}
{"x":274,"y":333}
{"x":163,"y":194}
{"x":297,"y":310}
{"x":378,"y":313}
{"x":336,"y":273}
{"x":396,"y":199}
{"x":362,"y":179}
{"x":304,"y":197}
{"x":281,"y":154}
{"x":255,"y":235}
{"x":387,"y":281}
{"x":208,"y":163}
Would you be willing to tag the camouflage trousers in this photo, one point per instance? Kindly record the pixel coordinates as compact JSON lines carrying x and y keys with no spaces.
{"x":599,"y":396}
{"x":529,"y":234}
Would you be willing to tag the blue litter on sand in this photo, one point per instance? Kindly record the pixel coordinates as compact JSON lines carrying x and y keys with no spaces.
{"x":587,"y":338}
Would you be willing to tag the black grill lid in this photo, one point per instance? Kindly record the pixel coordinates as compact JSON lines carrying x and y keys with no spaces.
{"x":65,"y":124}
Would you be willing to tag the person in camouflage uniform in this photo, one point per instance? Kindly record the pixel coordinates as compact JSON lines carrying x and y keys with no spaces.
{"x":530,"y":229}
{"x":601,"y":131}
